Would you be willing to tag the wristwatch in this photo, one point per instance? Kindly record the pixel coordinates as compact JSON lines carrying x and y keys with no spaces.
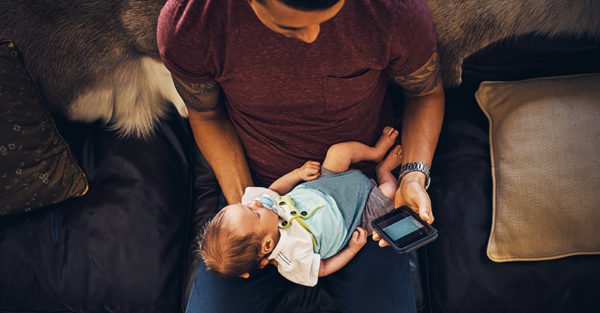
{"x":416,"y":167}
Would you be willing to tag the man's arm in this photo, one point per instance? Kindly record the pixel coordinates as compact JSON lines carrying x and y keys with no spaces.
{"x":285,"y":183}
{"x":336,"y":262}
{"x":215,"y":136}
{"x":421,"y":125}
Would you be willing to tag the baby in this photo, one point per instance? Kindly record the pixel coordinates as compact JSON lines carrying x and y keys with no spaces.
{"x":304,"y":232}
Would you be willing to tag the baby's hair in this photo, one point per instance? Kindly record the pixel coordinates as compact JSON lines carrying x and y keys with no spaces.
{"x":227,"y":253}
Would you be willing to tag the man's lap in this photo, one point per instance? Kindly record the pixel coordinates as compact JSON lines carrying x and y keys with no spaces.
{"x":376,"y":280}
{"x":214,"y":294}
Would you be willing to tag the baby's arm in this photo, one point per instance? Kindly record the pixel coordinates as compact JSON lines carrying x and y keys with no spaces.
{"x":285,"y":183}
{"x":336,"y":262}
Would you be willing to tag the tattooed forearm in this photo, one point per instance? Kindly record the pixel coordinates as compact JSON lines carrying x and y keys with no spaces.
{"x":423,"y":80}
{"x":200,"y":97}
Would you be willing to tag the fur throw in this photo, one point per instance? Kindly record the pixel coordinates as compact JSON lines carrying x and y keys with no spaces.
{"x":97,"y":59}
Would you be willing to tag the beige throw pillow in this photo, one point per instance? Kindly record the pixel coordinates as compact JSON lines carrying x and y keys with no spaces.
{"x":545,"y":155}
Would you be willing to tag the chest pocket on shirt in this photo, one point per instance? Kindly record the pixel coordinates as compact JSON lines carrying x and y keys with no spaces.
{"x":343,"y":93}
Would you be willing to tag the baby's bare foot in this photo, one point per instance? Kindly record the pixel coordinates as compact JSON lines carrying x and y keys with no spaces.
{"x":385,"y":142}
{"x":392,"y":160}
{"x":387,"y":182}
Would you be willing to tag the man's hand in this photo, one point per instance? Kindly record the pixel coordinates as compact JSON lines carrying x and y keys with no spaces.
{"x":411,"y":193}
{"x":309,"y":171}
{"x":381,"y":242}
{"x":358,"y":240}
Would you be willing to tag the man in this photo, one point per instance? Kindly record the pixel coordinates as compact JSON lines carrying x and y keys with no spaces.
{"x":272,"y":83}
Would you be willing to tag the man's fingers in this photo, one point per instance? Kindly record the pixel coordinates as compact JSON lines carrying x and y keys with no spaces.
{"x":425,"y":215}
{"x":382,"y":243}
{"x":376,"y":236}
{"x":425,"y":208}
{"x":263,"y":262}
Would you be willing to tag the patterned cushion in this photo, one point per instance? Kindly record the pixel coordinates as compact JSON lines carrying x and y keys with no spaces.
{"x":36,"y":166}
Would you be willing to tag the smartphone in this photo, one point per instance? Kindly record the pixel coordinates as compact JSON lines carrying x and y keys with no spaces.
{"x":404,"y":230}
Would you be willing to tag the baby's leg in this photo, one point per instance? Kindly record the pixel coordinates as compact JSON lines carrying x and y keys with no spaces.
{"x":387,"y":182}
{"x":341,"y":155}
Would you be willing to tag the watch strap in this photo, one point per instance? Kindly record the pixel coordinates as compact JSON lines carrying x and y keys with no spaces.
{"x":416,"y":167}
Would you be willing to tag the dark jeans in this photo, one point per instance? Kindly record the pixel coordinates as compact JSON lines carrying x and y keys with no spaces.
{"x":376,"y":280}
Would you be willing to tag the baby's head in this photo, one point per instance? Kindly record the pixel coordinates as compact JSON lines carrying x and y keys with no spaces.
{"x":238,"y":237}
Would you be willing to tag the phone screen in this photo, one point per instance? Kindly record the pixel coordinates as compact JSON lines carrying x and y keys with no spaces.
{"x":404,"y":230}
{"x":402,"y":227}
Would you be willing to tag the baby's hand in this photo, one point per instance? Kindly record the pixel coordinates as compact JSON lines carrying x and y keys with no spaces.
{"x":358,"y":240}
{"x":309,"y":171}
{"x":263,"y":262}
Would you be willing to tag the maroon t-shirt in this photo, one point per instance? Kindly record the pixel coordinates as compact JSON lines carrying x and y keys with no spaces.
{"x":288,"y":100}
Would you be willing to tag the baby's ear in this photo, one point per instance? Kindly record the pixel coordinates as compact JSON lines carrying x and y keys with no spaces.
{"x":245,"y":275}
{"x":268,"y":245}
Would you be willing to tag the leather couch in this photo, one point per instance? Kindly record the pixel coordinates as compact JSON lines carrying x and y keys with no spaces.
{"x":127,"y":245}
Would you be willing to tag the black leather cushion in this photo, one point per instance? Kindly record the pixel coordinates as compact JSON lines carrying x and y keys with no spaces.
{"x":36,"y":166}
{"x":460,"y":276}
{"x":120,"y":248}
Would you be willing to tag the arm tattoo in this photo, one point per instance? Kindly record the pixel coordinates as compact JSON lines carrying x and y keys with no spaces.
{"x":193,"y":94}
{"x":423,"y":80}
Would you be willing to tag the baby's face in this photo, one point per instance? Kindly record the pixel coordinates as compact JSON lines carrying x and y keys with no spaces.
{"x":253,"y":217}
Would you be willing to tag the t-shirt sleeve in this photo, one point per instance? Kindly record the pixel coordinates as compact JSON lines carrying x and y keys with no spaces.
{"x":184,"y":41}
{"x":413,"y":38}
